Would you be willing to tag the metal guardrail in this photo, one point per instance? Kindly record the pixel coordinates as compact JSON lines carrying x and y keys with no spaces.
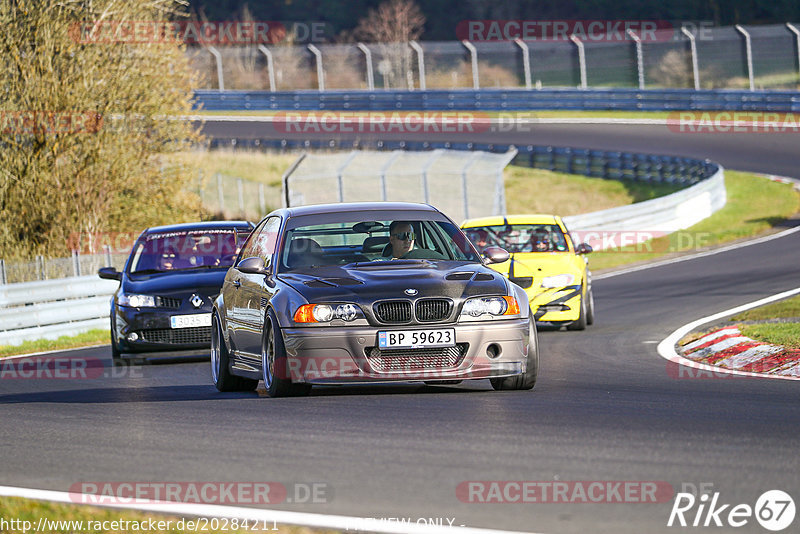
{"x":53,"y":308}
{"x":501,"y":100}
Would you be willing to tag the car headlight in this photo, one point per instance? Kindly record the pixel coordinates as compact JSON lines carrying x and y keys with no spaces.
{"x":323,"y":313}
{"x":559,"y":280}
{"x":137,"y":301}
{"x":488,"y":307}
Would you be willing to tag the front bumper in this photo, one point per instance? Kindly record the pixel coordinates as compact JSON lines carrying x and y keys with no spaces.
{"x":339,"y":355}
{"x":556,"y":305}
{"x":154,"y":333}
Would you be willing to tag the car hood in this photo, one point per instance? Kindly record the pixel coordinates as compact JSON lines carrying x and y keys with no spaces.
{"x":387,"y":280}
{"x":203,"y":281}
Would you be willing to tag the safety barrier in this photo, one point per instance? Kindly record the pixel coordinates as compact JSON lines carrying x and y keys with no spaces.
{"x":52,"y":308}
{"x":501,"y":100}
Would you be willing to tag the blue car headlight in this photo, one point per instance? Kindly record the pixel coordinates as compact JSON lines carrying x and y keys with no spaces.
{"x":137,"y":301}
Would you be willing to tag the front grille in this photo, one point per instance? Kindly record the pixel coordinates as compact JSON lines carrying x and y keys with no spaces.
{"x":177,"y":336}
{"x":391,"y":361}
{"x":168,"y":302}
{"x":393,"y":311}
{"x":429,"y":310}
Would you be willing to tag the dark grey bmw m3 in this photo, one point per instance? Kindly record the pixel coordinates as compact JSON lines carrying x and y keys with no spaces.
{"x":365,"y":293}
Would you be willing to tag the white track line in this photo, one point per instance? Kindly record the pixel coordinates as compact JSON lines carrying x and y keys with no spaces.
{"x":666,"y":349}
{"x":340,"y":522}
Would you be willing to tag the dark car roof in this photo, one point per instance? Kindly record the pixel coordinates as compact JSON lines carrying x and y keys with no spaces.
{"x":204,"y":225}
{"x":315,"y":209}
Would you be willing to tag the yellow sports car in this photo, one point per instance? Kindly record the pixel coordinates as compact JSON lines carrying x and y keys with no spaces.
{"x":544,"y":261}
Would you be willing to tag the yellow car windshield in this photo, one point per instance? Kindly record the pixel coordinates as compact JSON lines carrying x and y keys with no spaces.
{"x":519,"y":237}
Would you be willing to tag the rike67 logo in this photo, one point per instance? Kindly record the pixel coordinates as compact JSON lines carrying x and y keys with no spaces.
{"x":774,"y":510}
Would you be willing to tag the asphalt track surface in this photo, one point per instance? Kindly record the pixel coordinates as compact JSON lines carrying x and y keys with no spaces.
{"x":606,"y":407}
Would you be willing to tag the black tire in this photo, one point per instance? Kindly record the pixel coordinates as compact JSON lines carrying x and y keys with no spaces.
{"x":590,"y":307}
{"x":220,"y":363}
{"x":274,"y":365}
{"x":580,"y":323}
{"x":527,"y":379}
{"x":116,"y":358}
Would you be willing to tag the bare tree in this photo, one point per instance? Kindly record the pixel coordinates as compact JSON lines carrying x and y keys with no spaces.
{"x":393,"y":24}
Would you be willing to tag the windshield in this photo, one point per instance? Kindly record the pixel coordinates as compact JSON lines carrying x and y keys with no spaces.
{"x":519,"y":237}
{"x":183,"y":250}
{"x":343,"y":243}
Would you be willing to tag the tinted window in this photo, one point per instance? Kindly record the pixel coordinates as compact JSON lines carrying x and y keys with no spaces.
{"x":182,"y":250}
{"x":519,"y":237}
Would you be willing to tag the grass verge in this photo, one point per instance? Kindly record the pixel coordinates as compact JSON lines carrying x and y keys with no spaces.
{"x":93,"y":519}
{"x":754,"y":206}
{"x":777,"y":310}
{"x":786,"y":334}
{"x":92,"y":337}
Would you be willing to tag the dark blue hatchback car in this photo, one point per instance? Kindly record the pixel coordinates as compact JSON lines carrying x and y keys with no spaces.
{"x":168,"y":286}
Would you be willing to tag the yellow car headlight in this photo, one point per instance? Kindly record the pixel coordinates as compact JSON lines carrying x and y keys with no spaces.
{"x":559,"y":280}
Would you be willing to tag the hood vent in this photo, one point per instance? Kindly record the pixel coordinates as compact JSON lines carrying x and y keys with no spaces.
{"x":470,"y":275}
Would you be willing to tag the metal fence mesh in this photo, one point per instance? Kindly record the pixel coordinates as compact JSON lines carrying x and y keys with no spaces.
{"x":460,"y":183}
{"x":721,"y":55}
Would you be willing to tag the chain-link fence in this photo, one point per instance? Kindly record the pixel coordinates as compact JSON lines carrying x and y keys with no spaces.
{"x":462,"y":184}
{"x":41,"y":268}
{"x":663,"y":60}
{"x":230,"y":197}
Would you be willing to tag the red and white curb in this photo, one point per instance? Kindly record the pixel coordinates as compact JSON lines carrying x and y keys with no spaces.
{"x":727,"y":348}
{"x":726,"y":339}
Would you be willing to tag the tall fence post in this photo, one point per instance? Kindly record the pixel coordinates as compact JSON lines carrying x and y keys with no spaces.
{"x":218,"y":59}
{"x":464,"y":186}
{"x":3,"y":278}
{"x":420,"y":63}
{"x":368,"y":56}
{"x":796,"y":32}
{"x":262,"y":202}
{"x":40,"y":267}
{"x":285,"y":178}
{"x":340,"y":173}
{"x":270,"y":66}
{"x":384,"y":170}
{"x":107,"y":252}
{"x":581,"y":59}
{"x":639,"y":57}
{"x":320,"y":72}
{"x":693,"y":49}
{"x":526,"y":61}
{"x":426,"y":191}
{"x":76,"y":263}
{"x":748,"y":48}
{"x":473,"y":53}
{"x":240,"y":187}
{"x":220,"y":193}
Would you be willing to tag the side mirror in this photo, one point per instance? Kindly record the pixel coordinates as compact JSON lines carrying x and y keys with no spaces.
{"x":583,"y":248}
{"x":253,"y":265}
{"x":109,"y":273}
{"x":496,"y":254}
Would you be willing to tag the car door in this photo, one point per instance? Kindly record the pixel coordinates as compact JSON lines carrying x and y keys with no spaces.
{"x":236,"y":302}
{"x":254,"y":291}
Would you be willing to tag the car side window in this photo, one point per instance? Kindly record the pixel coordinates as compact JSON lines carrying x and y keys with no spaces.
{"x":267,"y":239}
{"x":249,"y":244}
